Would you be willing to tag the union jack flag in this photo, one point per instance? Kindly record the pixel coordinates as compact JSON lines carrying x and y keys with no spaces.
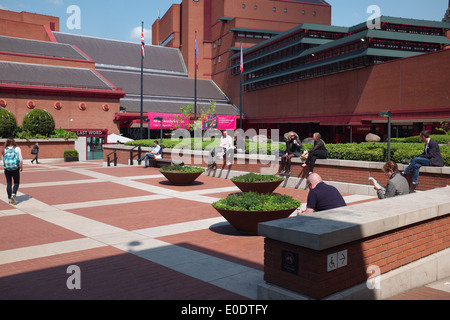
{"x":143,"y":44}
{"x":196,"y":51}
{"x":242,"y":60}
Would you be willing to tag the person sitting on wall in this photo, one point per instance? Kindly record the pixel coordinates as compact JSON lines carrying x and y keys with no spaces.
{"x":397,"y":184}
{"x":293,"y":149}
{"x":153,"y":154}
{"x":319,"y":151}
{"x":321,"y":196}
{"x":430,"y":157}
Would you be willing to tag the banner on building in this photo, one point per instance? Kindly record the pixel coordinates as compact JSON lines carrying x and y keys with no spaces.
{"x":174,"y":121}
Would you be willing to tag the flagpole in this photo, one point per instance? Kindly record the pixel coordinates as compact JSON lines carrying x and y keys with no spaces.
{"x":240,"y":87}
{"x":195,"y":87}
{"x":142,"y":85}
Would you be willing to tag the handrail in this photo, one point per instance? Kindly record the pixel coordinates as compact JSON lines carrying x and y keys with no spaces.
{"x":132,"y":155}
{"x":115,"y":158}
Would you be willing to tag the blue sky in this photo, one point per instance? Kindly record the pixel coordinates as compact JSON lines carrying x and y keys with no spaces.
{"x":119,"y":19}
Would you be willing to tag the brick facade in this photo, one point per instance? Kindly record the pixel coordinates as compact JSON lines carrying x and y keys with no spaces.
{"x":387,"y":251}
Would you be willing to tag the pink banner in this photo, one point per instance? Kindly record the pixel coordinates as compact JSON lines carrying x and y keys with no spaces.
{"x":171,"y":121}
{"x":219,"y":122}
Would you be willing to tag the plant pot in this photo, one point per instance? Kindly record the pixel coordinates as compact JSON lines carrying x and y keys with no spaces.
{"x":180,"y":178}
{"x":246,"y":222}
{"x":71,"y":159}
{"x":258,"y":187}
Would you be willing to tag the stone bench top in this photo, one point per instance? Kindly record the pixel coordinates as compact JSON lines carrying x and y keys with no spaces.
{"x":327,"y":162}
{"x":328,"y":229}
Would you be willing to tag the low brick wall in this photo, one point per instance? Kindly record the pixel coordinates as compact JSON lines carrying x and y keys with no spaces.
{"x":48,"y":149}
{"x":382,"y":235}
{"x":353,"y":173}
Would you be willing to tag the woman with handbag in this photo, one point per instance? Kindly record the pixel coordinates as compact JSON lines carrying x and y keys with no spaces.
{"x":293,"y":149}
{"x":35,"y":152}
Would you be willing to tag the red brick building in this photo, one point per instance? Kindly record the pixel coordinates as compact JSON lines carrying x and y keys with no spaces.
{"x":303,"y":74}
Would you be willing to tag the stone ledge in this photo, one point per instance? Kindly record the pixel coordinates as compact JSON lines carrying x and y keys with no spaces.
{"x":323,"y":230}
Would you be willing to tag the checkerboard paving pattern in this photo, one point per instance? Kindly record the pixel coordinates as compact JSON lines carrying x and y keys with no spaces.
{"x":132,"y":234}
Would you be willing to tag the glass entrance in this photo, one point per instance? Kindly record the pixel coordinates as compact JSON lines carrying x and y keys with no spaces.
{"x":95,"y":148}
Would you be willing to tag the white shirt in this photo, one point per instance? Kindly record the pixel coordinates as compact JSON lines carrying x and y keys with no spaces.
{"x":226,"y":142}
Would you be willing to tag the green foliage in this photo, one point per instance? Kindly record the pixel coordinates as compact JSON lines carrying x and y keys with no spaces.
{"x":255,"y":177}
{"x":444,"y":127}
{"x":183,"y":121}
{"x":8,"y":123}
{"x":439,"y":138}
{"x":251,"y":201}
{"x":63,"y":134}
{"x":70,"y":153}
{"x":39,"y":121}
{"x":370,"y":151}
{"x":182,"y":169}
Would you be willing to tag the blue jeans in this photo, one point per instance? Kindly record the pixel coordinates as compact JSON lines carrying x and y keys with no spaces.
{"x":415,"y":165}
{"x":147,"y":156}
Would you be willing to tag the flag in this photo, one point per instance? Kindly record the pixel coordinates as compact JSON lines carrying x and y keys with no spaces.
{"x":143,"y":44}
{"x":242,"y":60}
{"x":196,"y":51}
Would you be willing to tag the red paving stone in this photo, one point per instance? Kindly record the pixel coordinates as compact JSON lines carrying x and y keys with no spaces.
{"x":423,"y":293}
{"x":4,"y":205}
{"x":148,"y":214}
{"x":127,"y":171}
{"x":74,"y":193}
{"x":24,"y":231}
{"x":106,"y":274}
{"x":223,"y":242}
{"x":202,"y":183}
{"x":50,"y":176}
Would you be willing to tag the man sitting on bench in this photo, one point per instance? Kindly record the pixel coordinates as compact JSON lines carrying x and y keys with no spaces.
{"x":155,"y":154}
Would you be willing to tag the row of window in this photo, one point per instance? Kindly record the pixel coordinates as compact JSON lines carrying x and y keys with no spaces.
{"x":317,"y":72}
{"x":412,"y":29}
{"x":403,"y":45}
{"x":274,"y":9}
{"x":295,"y":37}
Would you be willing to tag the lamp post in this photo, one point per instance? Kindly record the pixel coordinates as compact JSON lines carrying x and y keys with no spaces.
{"x":160,"y":119}
{"x":387,"y":114}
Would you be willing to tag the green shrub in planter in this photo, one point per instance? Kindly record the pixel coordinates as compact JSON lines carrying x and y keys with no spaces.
{"x":70,"y":154}
{"x":255,"y":177}
{"x":39,"y":121}
{"x":250,"y":201}
{"x":182,"y":169}
{"x":8,"y":123}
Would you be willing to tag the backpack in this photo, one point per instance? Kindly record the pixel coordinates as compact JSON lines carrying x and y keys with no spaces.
{"x":11,"y":159}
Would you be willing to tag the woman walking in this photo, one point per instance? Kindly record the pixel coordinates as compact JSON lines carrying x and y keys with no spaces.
{"x":13,"y":165}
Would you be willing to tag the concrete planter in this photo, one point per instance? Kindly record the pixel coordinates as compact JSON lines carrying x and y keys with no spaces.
{"x":246,"y":222}
{"x":180,"y":178}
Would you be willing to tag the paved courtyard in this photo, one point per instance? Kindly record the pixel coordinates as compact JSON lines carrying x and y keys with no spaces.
{"x":132,"y":234}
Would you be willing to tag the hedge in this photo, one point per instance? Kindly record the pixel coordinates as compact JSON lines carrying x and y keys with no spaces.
{"x":370,"y":151}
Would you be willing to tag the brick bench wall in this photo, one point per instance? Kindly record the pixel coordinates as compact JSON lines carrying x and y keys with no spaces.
{"x":345,"y":171}
{"x":389,"y":234}
{"x":387,"y":251}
